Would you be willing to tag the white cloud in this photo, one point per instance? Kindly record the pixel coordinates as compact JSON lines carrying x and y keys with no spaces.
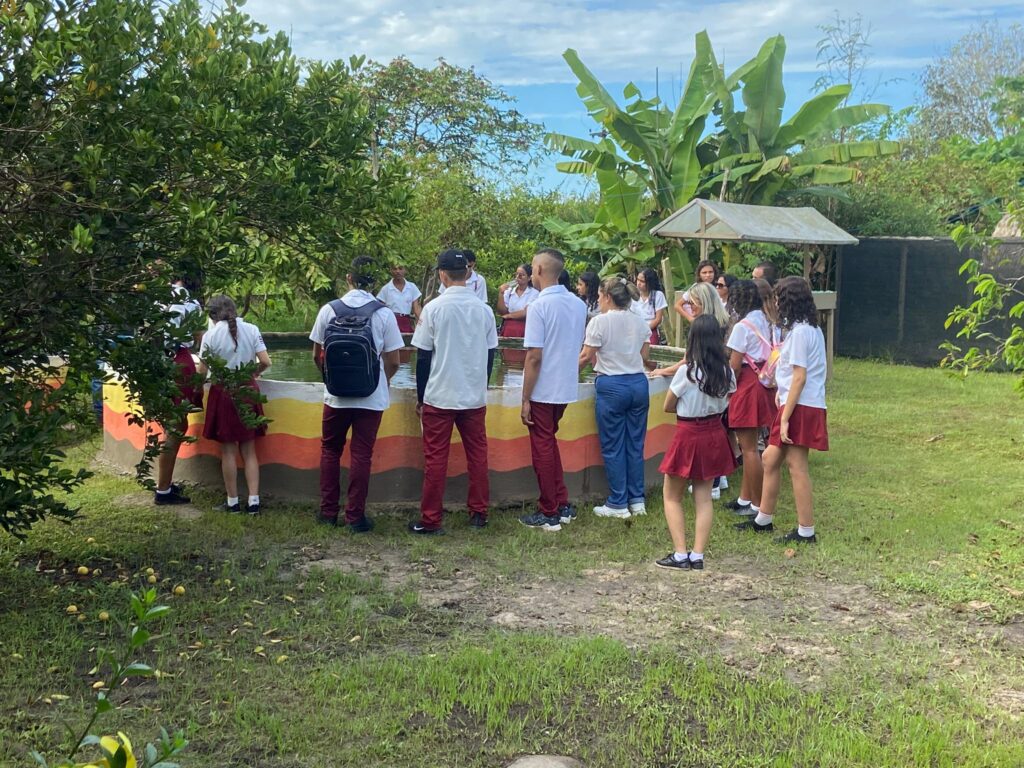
{"x":520,"y":43}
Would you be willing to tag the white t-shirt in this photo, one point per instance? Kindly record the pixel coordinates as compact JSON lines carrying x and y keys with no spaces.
{"x":556,"y":323}
{"x":618,"y":335}
{"x":647,"y":310}
{"x":459,"y":329}
{"x":182,"y":306}
{"x":399,"y":301}
{"x":476,"y":284}
{"x":694,"y":404}
{"x":744,"y":340}
{"x":514,"y":302}
{"x":217,"y":342}
{"x":804,"y":346}
{"x":386,"y":338}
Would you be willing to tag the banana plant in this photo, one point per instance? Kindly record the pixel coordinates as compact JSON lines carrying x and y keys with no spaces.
{"x":645,"y":163}
{"x":759,"y":157}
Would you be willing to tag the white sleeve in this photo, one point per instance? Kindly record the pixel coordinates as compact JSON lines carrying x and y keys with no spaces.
{"x":423,"y":336}
{"x":320,"y":324}
{"x":491,"y":330}
{"x":258,"y":345}
{"x":800,"y":345}
{"x":594,"y":336}
{"x":679,"y":382}
{"x":415,"y":290}
{"x":392,"y":336}
{"x":738,"y":338}
{"x":659,"y":301}
{"x":536,"y":328}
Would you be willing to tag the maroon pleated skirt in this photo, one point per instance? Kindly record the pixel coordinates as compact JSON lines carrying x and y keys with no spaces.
{"x":808,"y":427}
{"x":655,"y":337}
{"x":404,"y":323}
{"x":513,"y":328}
{"x":190,"y":384}
{"x":700,"y":450}
{"x":223,"y":423}
{"x":752,"y":405}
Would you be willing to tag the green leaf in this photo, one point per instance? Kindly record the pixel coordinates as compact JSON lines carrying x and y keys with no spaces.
{"x":808,"y":119}
{"x":847,"y":117}
{"x":847,"y":152}
{"x":763,"y":92}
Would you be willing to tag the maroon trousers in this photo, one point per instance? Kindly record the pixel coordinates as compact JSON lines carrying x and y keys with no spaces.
{"x":335,"y":427}
{"x":437,"y":426}
{"x":547,"y":461}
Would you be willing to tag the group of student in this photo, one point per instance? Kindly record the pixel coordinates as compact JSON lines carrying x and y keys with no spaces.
{"x":754,"y":362}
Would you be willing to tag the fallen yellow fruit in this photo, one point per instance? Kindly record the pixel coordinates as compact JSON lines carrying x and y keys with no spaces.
{"x":90,"y":540}
{"x":104,"y":616}
{"x":71,"y":609}
{"x":97,"y":685}
{"x":179,"y":590}
{"x":83,"y":570}
{"x":151,"y":579}
{"x":150,"y":571}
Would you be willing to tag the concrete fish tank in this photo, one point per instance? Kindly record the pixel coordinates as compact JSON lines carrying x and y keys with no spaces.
{"x":290,"y":452}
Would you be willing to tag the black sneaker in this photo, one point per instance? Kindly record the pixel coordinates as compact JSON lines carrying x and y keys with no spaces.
{"x":252,"y":509}
{"x":794,"y":535}
{"x":735,"y":506}
{"x":566,"y":514}
{"x":670,"y":562}
{"x":363,"y":525}
{"x":541,"y":521}
{"x":415,"y":526}
{"x":478,"y":520}
{"x":234,"y":509}
{"x":697,"y":565}
{"x":173,"y":496}
{"x":751,"y":525}
{"x":324,"y":520}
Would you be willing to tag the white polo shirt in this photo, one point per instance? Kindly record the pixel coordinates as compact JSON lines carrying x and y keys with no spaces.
{"x":694,"y":404}
{"x":476,"y":284}
{"x":556,"y":323}
{"x":218,"y":343}
{"x":618,"y":336}
{"x":386,"y":338}
{"x":182,"y":306}
{"x":648,"y":308}
{"x":514,"y":302}
{"x":803,"y":346}
{"x":459,"y":329}
{"x":743,"y":340}
{"x":399,"y":301}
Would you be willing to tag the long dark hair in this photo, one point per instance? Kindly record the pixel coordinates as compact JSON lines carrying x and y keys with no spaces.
{"x":653,"y":283}
{"x":591,"y":280}
{"x":221,"y":307}
{"x":795,"y":303}
{"x":705,"y":355}
{"x":744,"y":298}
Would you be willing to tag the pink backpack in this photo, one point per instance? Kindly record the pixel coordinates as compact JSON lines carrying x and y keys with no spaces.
{"x":766,"y":370}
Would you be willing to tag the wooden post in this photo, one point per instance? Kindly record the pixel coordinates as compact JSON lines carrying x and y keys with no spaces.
{"x":703,"y":240}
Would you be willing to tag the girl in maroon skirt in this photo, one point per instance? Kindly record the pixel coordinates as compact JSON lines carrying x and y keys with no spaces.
{"x":513,"y":299}
{"x":751,"y":343}
{"x":801,"y":422}
{"x":700,"y":450}
{"x":236,"y":343}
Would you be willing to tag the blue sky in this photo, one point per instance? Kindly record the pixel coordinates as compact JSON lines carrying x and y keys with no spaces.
{"x":519,"y":45}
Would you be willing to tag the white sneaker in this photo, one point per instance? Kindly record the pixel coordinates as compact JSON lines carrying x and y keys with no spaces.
{"x":716,"y":494}
{"x":603,"y":511}
{"x":723,"y":482}
{"x":689,"y":488}
{"x":637,"y":508}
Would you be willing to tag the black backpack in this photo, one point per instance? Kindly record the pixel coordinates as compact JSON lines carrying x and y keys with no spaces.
{"x":351,"y":360}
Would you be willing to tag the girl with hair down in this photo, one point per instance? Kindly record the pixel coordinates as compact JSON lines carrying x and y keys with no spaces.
{"x":651,"y":304}
{"x":513,"y":299}
{"x":700,"y":449}
{"x":236,"y":343}
{"x":801,"y":422}
{"x":616,"y":345}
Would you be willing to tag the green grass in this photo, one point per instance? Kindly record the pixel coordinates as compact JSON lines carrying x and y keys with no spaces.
{"x":895,"y":642}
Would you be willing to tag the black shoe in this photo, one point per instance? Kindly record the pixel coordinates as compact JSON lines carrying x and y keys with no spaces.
{"x":794,"y":535}
{"x":252,"y":509}
{"x":415,"y":526}
{"x":542,"y":522}
{"x":362,"y":525}
{"x":232,"y":508}
{"x":566,"y":513}
{"x":478,"y":520}
{"x":697,"y":565}
{"x":670,"y":562}
{"x":173,"y":496}
{"x":326,"y":520}
{"x":751,"y":525}
{"x":735,"y":506}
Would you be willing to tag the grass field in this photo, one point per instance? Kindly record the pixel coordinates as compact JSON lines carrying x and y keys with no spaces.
{"x":896,"y":641}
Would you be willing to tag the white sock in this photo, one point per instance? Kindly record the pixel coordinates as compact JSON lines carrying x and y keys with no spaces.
{"x":805,"y":530}
{"x":754,"y":507}
{"x":743,"y":502}
{"x":164,"y":493}
{"x":679,"y":556}
{"x":696,"y":556}
{"x":232,"y":500}
{"x":254,"y":500}
{"x":762,"y":518}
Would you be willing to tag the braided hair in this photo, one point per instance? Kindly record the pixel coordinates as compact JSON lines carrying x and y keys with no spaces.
{"x":221,"y":307}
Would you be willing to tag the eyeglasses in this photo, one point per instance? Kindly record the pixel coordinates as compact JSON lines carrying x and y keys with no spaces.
{"x":721,"y":285}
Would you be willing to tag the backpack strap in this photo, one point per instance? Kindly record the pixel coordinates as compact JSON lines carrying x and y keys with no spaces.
{"x":341,"y":309}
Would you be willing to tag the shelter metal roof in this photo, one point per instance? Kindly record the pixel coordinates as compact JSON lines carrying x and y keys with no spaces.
{"x":714,"y":220}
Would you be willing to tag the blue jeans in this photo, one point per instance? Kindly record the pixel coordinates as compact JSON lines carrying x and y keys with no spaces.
{"x":621,"y":405}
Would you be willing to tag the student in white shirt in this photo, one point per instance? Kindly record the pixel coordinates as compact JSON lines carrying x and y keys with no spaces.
{"x":586,"y":289}
{"x":706,"y":272}
{"x":455,"y":339}
{"x":402,"y":297}
{"x":474,"y":281}
{"x":700,"y":449}
{"x":554,"y":335}
{"x":616,"y":345}
{"x":361,"y":415}
{"x":751,"y":345}
{"x":513,"y":299}
{"x":801,"y":423}
{"x":652,"y":303}
{"x":236,"y":343}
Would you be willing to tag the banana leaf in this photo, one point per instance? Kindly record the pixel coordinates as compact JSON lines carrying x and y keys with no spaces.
{"x":806,"y":122}
{"x":763,"y":92}
{"x":845,"y":153}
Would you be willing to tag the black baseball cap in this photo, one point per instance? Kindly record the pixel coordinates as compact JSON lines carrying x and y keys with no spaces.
{"x":455,"y":258}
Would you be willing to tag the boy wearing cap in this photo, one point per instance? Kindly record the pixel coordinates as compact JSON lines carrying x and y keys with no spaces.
{"x":474,"y":280}
{"x":455,"y":341}
{"x":555,"y":327}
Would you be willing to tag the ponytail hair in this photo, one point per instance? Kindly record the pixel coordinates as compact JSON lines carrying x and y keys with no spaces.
{"x":221,"y":307}
{"x":620,"y":291}
{"x":706,"y":364}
